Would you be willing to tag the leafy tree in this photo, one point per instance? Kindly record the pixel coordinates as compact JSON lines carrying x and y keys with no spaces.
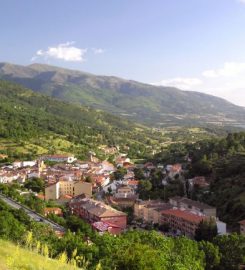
{"x":143,"y":188}
{"x":35,"y":203}
{"x":206,"y":230}
{"x":35,"y":184}
{"x":139,"y":174}
{"x":212,"y":255}
{"x":232,"y":251}
{"x":10,"y":227}
{"x":76,"y":224}
{"x":119,"y":173}
{"x":88,"y":179}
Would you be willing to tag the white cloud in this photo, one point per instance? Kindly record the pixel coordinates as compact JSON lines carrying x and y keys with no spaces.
{"x":98,"y":50}
{"x":182,"y":83}
{"x":241,"y":1}
{"x":227,"y":82}
{"x":230,"y":69}
{"x":65,"y":51}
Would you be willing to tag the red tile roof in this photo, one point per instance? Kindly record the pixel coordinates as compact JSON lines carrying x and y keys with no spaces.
{"x":188,"y":216}
{"x":133,"y":182}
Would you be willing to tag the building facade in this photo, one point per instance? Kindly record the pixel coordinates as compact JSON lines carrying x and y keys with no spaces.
{"x":71,"y":188}
{"x":195,"y":206}
{"x":59,"y":158}
{"x":94,"y":211}
{"x":181,"y":221}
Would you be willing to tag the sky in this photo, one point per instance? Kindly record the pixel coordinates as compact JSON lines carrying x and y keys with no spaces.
{"x":196,"y":45}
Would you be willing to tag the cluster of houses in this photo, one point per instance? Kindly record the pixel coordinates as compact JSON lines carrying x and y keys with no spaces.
{"x":181,"y":214}
{"x":20,"y":171}
{"x":66,"y":177}
{"x":74,"y":182}
{"x":101,"y":216}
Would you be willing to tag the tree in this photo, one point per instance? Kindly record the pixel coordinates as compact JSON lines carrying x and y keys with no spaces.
{"x":88,"y":179}
{"x":35,"y":203}
{"x":76,"y":224}
{"x":10,"y":228}
{"x":206,"y":230}
{"x":35,"y":184}
{"x":139,"y":174}
{"x":138,"y":256}
{"x":119,"y":173}
{"x":156,"y":178}
{"x":232,"y":250}
{"x":144,"y":187}
{"x":212,"y":255}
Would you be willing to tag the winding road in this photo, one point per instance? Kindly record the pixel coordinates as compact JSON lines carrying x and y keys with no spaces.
{"x":32,"y":214}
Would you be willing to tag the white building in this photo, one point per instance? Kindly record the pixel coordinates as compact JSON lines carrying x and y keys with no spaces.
{"x":60,"y":158}
{"x":221,"y":226}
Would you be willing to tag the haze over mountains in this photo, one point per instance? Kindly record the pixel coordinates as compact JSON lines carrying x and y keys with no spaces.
{"x":157,"y":106}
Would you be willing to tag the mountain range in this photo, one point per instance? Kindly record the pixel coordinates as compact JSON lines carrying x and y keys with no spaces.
{"x":148,"y":104}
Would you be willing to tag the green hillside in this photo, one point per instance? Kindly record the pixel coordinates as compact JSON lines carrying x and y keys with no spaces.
{"x":222,"y":161}
{"x":156,"y":106}
{"x":31,"y":122}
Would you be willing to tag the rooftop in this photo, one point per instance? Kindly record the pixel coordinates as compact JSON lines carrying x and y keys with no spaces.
{"x":183,"y":214}
{"x":192,"y":202}
{"x":97,"y":208}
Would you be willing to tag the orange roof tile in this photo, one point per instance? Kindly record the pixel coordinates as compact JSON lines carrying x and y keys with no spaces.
{"x":133,"y":182}
{"x":188,"y":216}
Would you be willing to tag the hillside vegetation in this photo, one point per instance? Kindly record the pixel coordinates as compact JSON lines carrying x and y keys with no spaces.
{"x":13,"y":257}
{"x":34,"y":123}
{"x":156,"y":106}
{"x":133,"y":250}
{"x":223,"y":162}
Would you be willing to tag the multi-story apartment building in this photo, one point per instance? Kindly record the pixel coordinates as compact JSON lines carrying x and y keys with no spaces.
{"x":94,"y":211}
{"x":194,"y":206}
{"x":182,"y":221}
{"x":72,"y":188}
{"x":150,"y":211}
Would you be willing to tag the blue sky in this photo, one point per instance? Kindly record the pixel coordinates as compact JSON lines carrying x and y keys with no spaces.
{"x":192,"y":44}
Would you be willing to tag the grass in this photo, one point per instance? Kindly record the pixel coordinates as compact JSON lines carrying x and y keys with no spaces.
{"x":13,"y":257}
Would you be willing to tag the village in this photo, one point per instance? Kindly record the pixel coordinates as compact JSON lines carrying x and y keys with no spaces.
{"x":90,"y":190}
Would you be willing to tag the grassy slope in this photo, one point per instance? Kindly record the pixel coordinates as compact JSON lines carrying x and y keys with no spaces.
{"x":13,"y":257}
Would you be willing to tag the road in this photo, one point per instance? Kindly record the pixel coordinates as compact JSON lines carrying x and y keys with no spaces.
{"x":33,"y":215}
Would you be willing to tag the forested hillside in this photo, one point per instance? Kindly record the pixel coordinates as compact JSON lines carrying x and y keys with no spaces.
{"x":223,"y":162}
{"x":32,"y":124}
{"x":49,"y":124}
{"x":149,"y":104}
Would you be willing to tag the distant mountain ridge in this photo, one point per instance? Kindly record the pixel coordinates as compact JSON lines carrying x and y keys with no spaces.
{"x":157,"y":106}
